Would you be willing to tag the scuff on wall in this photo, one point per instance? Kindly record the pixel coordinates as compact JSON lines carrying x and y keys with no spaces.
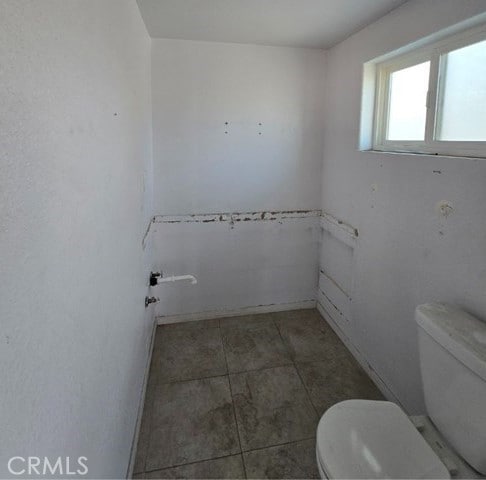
{"x":335,"y":282}
{"x":331,"y":303}
{"x":147,"y":232}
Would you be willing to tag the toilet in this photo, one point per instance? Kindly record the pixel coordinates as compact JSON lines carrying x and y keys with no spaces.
{"x":376,"y":439}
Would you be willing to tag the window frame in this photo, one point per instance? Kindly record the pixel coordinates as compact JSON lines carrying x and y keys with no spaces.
{"x":430,"y":145}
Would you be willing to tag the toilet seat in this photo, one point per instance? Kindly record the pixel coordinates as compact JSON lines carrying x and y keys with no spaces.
{"x":373,"y":439}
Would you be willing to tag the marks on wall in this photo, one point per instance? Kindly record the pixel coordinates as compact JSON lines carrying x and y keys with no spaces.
{"x":444,"y":208}
{"x":236,"y":217}
{"x":288,"y":273}
{"x":335,"y":283}
{"x":146,"y":234}
{"x":258,"y":127}
{"x":329,"y":306}
{"x":336,"y":268}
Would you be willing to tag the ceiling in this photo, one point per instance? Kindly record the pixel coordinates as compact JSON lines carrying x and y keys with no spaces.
{"x":295,"y":23}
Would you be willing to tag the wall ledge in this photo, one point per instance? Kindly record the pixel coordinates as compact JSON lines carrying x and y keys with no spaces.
{"x":231,"y":217}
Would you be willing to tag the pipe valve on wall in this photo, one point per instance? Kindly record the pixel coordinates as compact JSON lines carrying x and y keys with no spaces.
{"x":157,"y":278}
{"x":150,"y":300}
{"x":154,"y":278}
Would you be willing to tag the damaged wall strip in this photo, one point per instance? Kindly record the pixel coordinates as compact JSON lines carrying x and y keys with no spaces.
{"x":339,"y":229}
{"x":329,"y":302}
{"x":335,"y":295}
{"x":335,"y":283}
{"x":236,"y":216}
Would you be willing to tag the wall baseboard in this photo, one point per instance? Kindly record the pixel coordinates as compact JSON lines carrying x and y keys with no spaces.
{"x":133,"y":450}
{"x":238,"y":312}
{"x":360,"y":358}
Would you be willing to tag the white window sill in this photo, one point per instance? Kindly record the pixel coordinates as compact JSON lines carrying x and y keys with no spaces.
{"x":423,"y":154}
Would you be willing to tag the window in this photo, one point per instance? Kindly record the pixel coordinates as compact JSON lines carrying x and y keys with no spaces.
{"x":433,"y":100}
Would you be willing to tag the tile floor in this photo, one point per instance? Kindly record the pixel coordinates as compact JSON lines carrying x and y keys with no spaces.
{"x":241,"y":397}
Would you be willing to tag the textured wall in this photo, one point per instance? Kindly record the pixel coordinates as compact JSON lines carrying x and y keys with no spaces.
{"x":407,"y":253}
{"x":237,"y":128}
{"x":198,"y":87}
{"x":75,"y":148}
{"x":240,"y":261}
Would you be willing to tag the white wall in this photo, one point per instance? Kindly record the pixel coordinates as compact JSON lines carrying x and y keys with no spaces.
{"x":268,"y":264}
{"x":201,"y":169}
{"x":75,"y":160}
{"x":406,"y":252}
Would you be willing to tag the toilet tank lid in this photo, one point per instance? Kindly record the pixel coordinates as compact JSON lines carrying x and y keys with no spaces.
{"x":463,"y":335}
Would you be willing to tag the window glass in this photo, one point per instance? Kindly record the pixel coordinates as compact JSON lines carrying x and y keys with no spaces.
{"x":462,"y":111}
{"x":407,"y":103}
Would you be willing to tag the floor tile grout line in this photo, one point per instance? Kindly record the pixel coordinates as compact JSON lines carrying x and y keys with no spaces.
{"x":198,"y":377}
{"x":306,"y":390}
{"x":232,"y":400}
{"x":294,"y":363}
{"x":287,"y":349}
{"x":291,"y":363}
{"x":190,"y":379}
{"x":152,"y":401}
{"x":271,"y":321}
{"x":279,"y":445}
{"x":237,"y":426}
{"x":193,"y":463}
{"x":229,"y":456}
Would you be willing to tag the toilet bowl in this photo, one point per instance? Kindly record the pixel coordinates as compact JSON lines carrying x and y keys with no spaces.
{"x":376,"y":439}
{"x":373,"y":439}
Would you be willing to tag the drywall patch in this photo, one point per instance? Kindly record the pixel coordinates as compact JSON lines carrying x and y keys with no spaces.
{"x":236,"y":217}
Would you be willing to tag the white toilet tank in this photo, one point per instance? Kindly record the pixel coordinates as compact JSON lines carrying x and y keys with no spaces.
{"x":452,"y":347}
